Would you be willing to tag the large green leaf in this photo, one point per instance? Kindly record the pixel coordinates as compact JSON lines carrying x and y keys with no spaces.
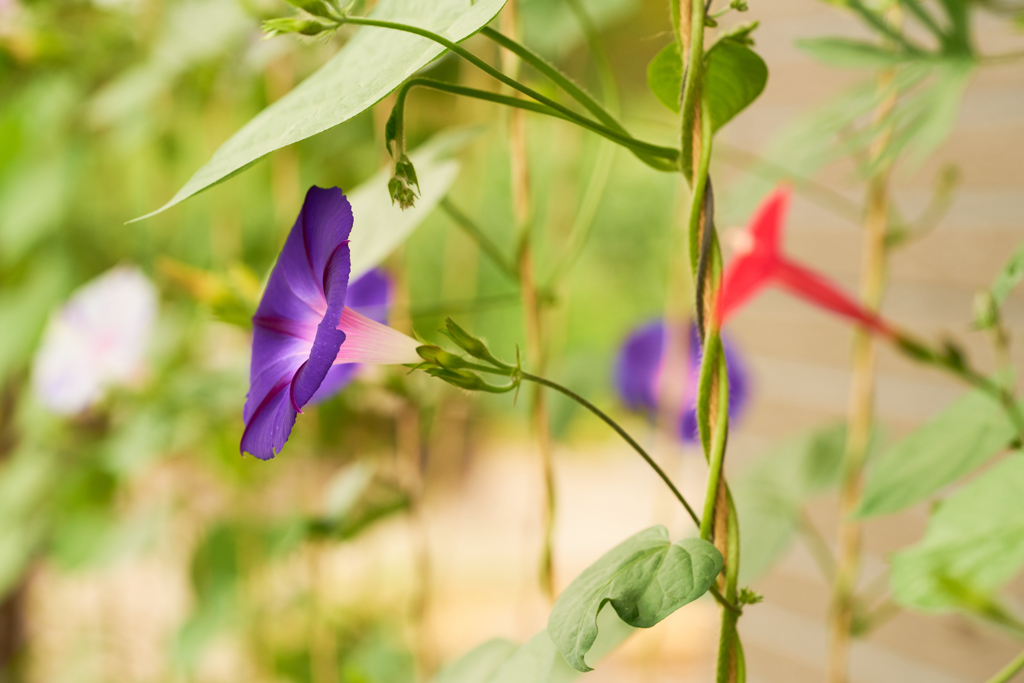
{"x":850,"y":53}
{"x":974,"y":543}
{"x":373,"y":63}
{"x":480,"y":664}
{"x":381,"y":226}
{"x":771,"y":494}
{"x":957,"y":441}
{"x":734,"y":77}
{"x":645,"y":578}
{"x":536,"y":661}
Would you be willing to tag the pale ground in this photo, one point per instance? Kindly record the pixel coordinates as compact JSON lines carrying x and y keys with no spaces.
{"x":483,"y":585}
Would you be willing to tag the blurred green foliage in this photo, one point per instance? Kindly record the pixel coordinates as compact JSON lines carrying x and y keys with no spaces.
{"x":106,"y":108}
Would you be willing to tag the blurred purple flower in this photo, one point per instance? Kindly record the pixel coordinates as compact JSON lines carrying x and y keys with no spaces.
{"x":306,"y":335}
{"x":640,"y":367}
{"x":97,"y":340}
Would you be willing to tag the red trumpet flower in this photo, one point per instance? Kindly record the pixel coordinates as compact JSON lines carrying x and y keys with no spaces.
{"x":759,"y":262}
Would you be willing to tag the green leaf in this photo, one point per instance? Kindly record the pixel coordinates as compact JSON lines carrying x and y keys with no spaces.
{"x":974,"y":543}
{"x":957,"y":441}
{"x":383,"y":226}
{"x":1009,"y":277}
{"x":734,"y":77}
{"x":478,"y":665}
{"x":771,"y":494}
{"x":665,"y":76}
{"x":927,"y":116}
{"x":536,"y":661}
{"x":854,"y":54}
{"x":371,"y":65}
{"x":645,"y":578}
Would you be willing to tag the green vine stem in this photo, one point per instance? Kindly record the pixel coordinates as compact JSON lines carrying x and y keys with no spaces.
{"x":556,"y":76}
{"x":729,"y":604}
{"x":600,"y":414}
{"x":956,"y":365}
{"x":1009,"y":671}
{"x":719,"y":523}
{"x":635,"y":146}
{"x":642,"y":149}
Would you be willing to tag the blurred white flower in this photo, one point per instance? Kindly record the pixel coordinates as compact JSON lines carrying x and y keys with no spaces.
{"x":96,"y":341}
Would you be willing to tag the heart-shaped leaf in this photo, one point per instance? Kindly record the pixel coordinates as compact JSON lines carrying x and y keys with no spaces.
{"x":734,"y":77}
{"x":665,"y":76}
{"x":371,"y":65}
{"x":645,"y":578}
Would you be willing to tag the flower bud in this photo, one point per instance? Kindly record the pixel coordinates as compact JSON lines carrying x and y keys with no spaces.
{"x":468,"y":380}
{"x":441,"y":358}
{"x":474,"y":346}
{"x":318,"y":8}
{"x":401,"y":183}
{"x":305,"y":27}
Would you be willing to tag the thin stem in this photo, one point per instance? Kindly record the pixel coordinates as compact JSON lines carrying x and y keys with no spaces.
{"x":622,"y":433}
{"x":559,"y":78}
{"x":958,"y":367}
{"x":1009,"y":671}
{"x":487,"y":246}
{"x":861,"y":407}
{"x":609,"y":88}
{"x":533,"y":307}
{"x":534,"y":107}
{"x":653,"y":150}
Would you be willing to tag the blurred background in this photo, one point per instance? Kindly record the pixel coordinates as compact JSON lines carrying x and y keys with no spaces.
{"x":403,"y":523}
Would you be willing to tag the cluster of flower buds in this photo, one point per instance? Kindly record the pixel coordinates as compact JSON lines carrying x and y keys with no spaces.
{"x":403,"y":178}
{"x":402,"y":182}
{"x":463,"y":373}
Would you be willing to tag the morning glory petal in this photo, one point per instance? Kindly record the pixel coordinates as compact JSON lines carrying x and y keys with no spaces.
{"x":368,"y":341}
{"x":640,"y":367}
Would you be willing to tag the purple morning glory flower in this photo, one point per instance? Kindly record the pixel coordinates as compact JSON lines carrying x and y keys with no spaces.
{"x":639,"y":374}
{"x":306,"y":333}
